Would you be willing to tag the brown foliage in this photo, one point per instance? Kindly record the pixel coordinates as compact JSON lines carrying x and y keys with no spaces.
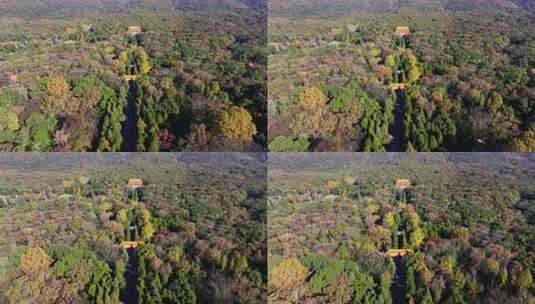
{"x":57,"y":87}
{"x":289,"y":273}
{"x":34,"y":260}
{"x":313,"y":100}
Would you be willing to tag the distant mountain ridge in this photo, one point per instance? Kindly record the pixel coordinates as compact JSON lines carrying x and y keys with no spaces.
{"x":95,"y":161}
{"x":314,"y":7}
{"x":59,"y":8}
{"x":201,"y":5}
{"x":373,"y":161}
{"x":527,"y":4}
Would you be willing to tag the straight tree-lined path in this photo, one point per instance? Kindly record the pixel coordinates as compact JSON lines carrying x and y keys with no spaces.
{"x":129,"y":129}
{"x":397,"y":131}
{"x":129,"y":293}
{"x":399,"y":286}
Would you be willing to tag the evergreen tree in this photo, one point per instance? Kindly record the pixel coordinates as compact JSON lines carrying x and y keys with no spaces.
{"x":141,"y":135}
{"x":386,"y":284}
{"x":239,"y":263}
{"x":101,"y":283}
{"x":154,"y":139}
{"x":364,"y":289}
{"x":403,"y":241}
{"x":503,"y":276}
{"x":180,"y":290}
{"x":427,"y":299}
{"x":411,"y":282}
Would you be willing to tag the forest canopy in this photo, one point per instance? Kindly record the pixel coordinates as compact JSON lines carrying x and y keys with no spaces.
{"x":401,"y":76}
{"x":133,"y":228}
{"x":142,"y":77}
{"x":401,"y":228}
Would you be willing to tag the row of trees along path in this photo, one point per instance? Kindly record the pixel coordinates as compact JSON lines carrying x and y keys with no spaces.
{"x":402,"y":68}
{"x":397,"y":130}
{"x":399,"y":287}
{"x":139,"y":230}
{"x":129,"y":293}
{"x":129,"y":129}
{"x":137,"y":63}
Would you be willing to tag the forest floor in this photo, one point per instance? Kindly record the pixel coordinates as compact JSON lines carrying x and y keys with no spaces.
{"x":129,"y":293}
{"x":399,"y":286}
{"x":129,"y":129}
{"x":396,"y":145}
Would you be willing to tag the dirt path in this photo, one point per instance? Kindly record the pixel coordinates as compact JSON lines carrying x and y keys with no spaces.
{"x":129,"y":293}
{"x":397,"y":130}
{"x":129,"y":129}
{"x":399,"y":286}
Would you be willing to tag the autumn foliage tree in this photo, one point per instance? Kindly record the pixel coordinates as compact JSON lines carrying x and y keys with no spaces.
{"x":526,"y":143}
{"x":8,"y":121}
{"x":57,"y":92}
{"x":313,"y":100}
{"x":32,"y":286}
{"x":236,"y":124}
{"x":310,"y":121}
{"x":289,"y":273}
{"x":35,"y":260}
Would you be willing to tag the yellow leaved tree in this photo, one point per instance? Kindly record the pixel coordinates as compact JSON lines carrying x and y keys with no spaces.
{"x":56,"y":97}
{"x":313,"y":100}
{"x":236,"y":123}
{"x":288,"y":273}
{"x":526,"y":143}
{"x":313,"y":119}
{"x":35,"y":260}
{"x":57,"y":87}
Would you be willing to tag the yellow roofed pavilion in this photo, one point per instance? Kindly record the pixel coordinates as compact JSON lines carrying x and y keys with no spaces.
{"x":403,"y":184}
{"x":398,"y":252}
{"x":403,"y":31}
{"x":135,"y":183}
{"x":134,"y":30}
{"x":129,"y":244}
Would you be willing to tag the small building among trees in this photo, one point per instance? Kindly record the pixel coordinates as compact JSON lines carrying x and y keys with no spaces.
{"x":129,"y":244}
{"x":403,"y":184}
{"x":135,"y":183}
{"x":403,"y":31}
{"x":398,"y":252}
{"x":70,"y":31}
{"x":134,"y":30}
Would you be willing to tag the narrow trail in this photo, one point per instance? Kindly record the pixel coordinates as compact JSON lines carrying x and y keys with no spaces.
{"x":399,"y":286}
{"x":129,"y":129}
{"x":129,"y":293}
{"x":397,"y":130}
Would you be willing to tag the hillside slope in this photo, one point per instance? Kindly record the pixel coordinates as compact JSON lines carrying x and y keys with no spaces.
{"x":527,"y":4}
{"x":315,"y":7}
{"x":60,"y":8}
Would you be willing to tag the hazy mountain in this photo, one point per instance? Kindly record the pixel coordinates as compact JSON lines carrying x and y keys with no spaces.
{"x":314,"y":7}
{"x":59,"y":8}
{"x":527,"y":4}
{"x":201,"y":5}
{"x":372,"y":161}
{"x":95,"y":161}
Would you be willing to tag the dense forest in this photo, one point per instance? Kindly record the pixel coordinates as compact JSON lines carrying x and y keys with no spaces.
{"x":137,"y":228}
{"x":401,"y":228}
{"x":133,"y":76}
{"x":397,"y":76}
